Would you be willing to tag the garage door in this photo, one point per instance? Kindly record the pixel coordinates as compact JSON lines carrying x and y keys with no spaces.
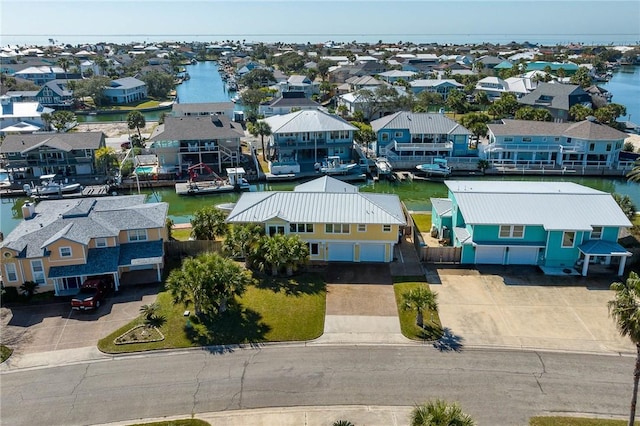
{"x":523,"y":256}
{"x":372,"y":252}
{"x":141,"y":267}
{"x":489,"y":254}
{"x":340,"y":252}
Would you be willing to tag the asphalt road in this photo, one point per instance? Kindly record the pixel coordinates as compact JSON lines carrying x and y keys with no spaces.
{"x":495,"y":387}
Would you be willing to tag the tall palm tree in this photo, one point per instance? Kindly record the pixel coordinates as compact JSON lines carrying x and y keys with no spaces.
{"x":297,"y":253}
{"x":625,"y":310}
{"x":420,"y":299}
{"x":273,"y":251}
{"x":262,"y":129}
{"x":135,"y":120}
{"x":440,"y":413}
{"x":633,"y":175}
{"x":64,"y":64}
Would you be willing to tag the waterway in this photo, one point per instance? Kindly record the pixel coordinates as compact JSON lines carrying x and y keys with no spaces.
{"x":625,"y":88}
{"x":415,"y":194}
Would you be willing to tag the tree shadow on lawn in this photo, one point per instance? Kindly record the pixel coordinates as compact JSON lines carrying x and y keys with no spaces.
{"x":235,"y":326}
{"x":449,"y":342}
{"x":293,"y":286}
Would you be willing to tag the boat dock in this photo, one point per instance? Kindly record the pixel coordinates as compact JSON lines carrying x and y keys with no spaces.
{"x":87,"y":191}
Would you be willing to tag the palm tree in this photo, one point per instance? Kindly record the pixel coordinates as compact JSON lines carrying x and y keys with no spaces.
{"x":418,"y":300}
{"x":297,"y":253}
{"x":135,"y":120}
{"x":272,"y":253}
{"x":262,"y":129}
{"x":241,"y":241}
{"x":207,"y":223}
{"x":64,"y":64}
{"x":634,"y":174}
{"x":440,"y":413}
{"x":625,"y":310}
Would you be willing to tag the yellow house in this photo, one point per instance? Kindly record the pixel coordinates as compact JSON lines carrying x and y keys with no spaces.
{"x":339,"y":223}
{"x":61,"y":243}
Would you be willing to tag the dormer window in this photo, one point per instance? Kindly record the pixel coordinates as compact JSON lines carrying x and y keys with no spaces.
{"x":65,"y":252}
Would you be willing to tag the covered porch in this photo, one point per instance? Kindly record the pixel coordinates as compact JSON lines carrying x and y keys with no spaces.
{"x":601,"y":253}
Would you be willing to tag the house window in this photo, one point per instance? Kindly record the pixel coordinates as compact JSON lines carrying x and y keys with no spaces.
{"x":385,"y":137}
{"x":276,"y":229}
{"x":101,"y":242}
{"x":301,"y":227}
{"x":138,"y":235}
{"x":314,"y":249}
{"x":596,"y":233}
{"x":592,"y":147}
{"x":65,"y":251}
{"x":568,"y":238}
{"x":508,"y":139}
{"x":608,"y":147}
{"x":511,"y":231}
{"x":386,"y":228}
{"x":337,"y":228}
{"x":10,"y":269}
{"x":526,"y":139}
{"x":398,"y":135}
{"x":362,"y":227}
{"x":37,"y":271}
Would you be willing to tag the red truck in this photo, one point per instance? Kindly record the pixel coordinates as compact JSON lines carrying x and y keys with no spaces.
{"x":91,"y":295}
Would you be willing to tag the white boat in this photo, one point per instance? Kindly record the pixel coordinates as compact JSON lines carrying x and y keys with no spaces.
{"x":234,"y":181}
{"x":383,"y":166}
{"x":48,"y":186}
{"x":439,"y":167}
{"x":334,"y":166}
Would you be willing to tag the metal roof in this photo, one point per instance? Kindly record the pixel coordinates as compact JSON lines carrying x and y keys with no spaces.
{"x":326,"y":184}
{"x":318,"y":207}
{"x":307,"y":121}
{"x":553,"y":205}
{"x":420,"y":123}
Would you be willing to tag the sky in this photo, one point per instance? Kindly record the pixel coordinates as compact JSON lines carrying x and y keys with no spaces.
{"x":588,"y":21}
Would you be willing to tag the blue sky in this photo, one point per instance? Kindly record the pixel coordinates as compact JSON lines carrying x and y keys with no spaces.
{"x":324,"y":20}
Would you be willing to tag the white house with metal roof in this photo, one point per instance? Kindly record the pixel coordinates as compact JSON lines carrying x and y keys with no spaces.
{"x":125,"y":90}
{"x":337,"y":221}
{"x":61,"y":243}
{"x":562,"y":227}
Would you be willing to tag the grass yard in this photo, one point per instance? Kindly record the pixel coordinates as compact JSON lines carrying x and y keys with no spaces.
{"x":573,"y":421}
{"x":432,"y":327}
{"x":181,"y":234}
{"x":182,"y":422}
{"x":422,"y":221}
{"x":284,"y":309}
{"x":5,"y":353}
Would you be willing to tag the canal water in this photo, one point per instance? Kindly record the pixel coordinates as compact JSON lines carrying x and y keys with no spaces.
{"x":625,"y":88}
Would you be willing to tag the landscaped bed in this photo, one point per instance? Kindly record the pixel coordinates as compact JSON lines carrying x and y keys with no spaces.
{"x":275,"y":310}
{"x":432,"y":329}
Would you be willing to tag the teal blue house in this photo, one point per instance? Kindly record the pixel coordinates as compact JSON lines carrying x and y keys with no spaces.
{"x":561,"y":227}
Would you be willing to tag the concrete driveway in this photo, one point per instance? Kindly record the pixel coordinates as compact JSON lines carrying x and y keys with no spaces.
{"x":55,"y":326}
{"x":523,"y":308}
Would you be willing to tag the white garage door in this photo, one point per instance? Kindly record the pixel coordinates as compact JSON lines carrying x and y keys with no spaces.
{"x":340,"y":252}
{"x":523,"y":256}
{"x":372,"y":252}
{"x":489,"y":254}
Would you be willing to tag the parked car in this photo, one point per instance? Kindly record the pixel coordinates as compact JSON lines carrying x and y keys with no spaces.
{"x":92,"y":294}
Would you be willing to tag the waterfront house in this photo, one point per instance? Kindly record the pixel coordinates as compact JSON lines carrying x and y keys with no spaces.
{"x":61,"y":243}
{"x":187,"y":140}
{"x":441,"y":87}
{"x":70,"y":155}
{"x":299,"y":84}
{"x":557,"y":99}
{"x":15,"y":115}
{"x":539,"y":144}
{"x":53,"y":94}
{"x":408,"y":139}
{"x":562,"y":227}
{"x":288,"y":102}
{"x":125,"y":90}
{"x":337,"y":221}
{"x":368,"y":102}
{"x":203,"y":109}
{"x":39,"y":75}
{"x":302,"y":139}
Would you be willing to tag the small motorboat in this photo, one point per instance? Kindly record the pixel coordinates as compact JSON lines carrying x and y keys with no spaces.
{"x":48,"y":186}
{"x":334,"y":166}
{"x":439,"y":167}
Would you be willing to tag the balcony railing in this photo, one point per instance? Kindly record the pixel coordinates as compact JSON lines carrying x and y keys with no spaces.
{"x":402,"y":146}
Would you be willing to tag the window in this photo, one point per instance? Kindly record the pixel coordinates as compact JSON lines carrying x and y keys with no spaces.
{"x":138,"y":235}
{"x":10,"y":269}
{"x":397,"y":135}
{"x":276,"y":229}
{"x":596,"y":233}
{"x":511,"y":231}
{"x":526,"y":139}
{"x":301,"y":227}
{"x":568,"y":238}
{"x":386,"y":228}
{"x":608,"y":147}
{"x":592,"y":147}
{"x":336,"y":228}
{"x":65,"y":251}
{"x":101,"y":242}
{"x":314,"y":249}
{"x":362,"y":227}
{"x":385,"y":137}
{"x":38,"y":271}
{"x":508,"y":139}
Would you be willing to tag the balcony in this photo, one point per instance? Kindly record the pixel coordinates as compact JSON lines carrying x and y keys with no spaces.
{"x":401,"y":146}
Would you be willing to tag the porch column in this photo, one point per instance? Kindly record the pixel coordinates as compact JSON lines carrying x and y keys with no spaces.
{"x":585,"y":265}
{"x":158,"y":272}
{"x":116,"y":281}
{"x":623,"y":261}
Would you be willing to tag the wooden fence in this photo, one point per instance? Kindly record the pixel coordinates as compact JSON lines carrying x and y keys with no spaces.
{"x":191,"y":248}
{"x":442,"y":254}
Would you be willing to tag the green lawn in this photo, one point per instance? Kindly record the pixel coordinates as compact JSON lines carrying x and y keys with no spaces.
{"x":181,"y":234}
{"x":432,"y":328}
{"x":422,"y":221}
{"x":273,"y":311}
{"x":182,"y":422}
{"x":573,"y":421}
{"x":5,"y":353}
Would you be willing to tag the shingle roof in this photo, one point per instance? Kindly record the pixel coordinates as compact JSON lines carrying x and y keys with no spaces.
{"x":553,"y":205}
{"x":198,"y":128}
{"x":420,"y":123}
{"x":80,"y":220}
{"x":62,"y":141}
{"x":307,"y":121}
{"x":554,"y":95}
{"x":586,"y":129}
